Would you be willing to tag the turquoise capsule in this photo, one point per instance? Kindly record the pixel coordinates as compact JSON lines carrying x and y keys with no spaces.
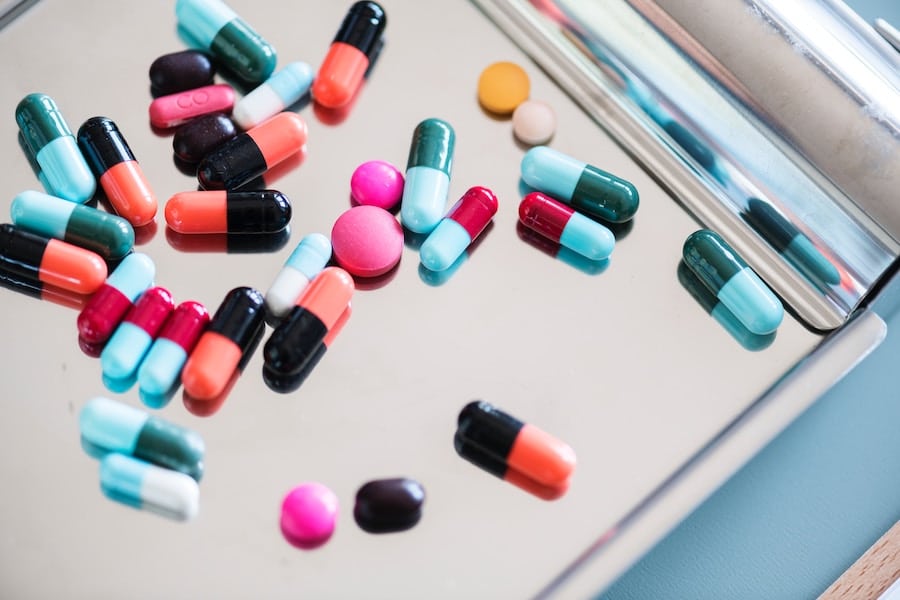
{"x":50,"y":141}
{"x":32,"y":161}
{"x":113,"y":426}
{"x":123,"y":353}
{"x":305,"y":262}
{"x":278,"y":92}
{"x":160,"y":371}
{"x":734,"y":283}
{"x":110,"y":236}
{"x":427,"y":175}
{"x":141,"y":485}
{"x":585,"y":187}
{"x":217,"y":28}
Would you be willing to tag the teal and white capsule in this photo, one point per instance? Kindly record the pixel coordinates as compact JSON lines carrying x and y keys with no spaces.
{"x":111,"y":426}
{"x":275,"y":94}
{"x":720,"y":268}
{"x":465,"y":222}
{"x":427,"y":175}
{"x":144,"y":486}
{"x":110,"y":236}
{"x":47,"y":135}
{"x":123,"y":353}
{"x":586,"y":188}
{"x":305,"y":262}
{"x":560,"y":223}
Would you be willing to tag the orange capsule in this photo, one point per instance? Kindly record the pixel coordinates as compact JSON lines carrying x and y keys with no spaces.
{"x":265,"y":211}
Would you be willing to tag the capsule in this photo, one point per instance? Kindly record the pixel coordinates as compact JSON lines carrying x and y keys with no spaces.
{"x":40,"y":290}
{"x":734,"y":283}
{"x":465,"y":222}
{"x":222,"y":345}
{"x":51,"y":261}
{"x":53,"y":146}
{"x":296,"y":339}
{"x":278,"y":92}
{"x":144,"y":486}
{"x":119,"y":173}
{"x":217,"y":28}
{"x":252,"y":153}
{"x":267,"y":211}
{"x":130,"y":342}
{"x":560,"y":223}
{"x":514,"y":446}
{"x":585,"y":187}
{"x":110,"y":236}
{"x":427,"y":175}
{"x":305,"y":262}
{"x":32,"y":161}
{"x":104,"y":311}
{"x":344,"y":68}
{"x":161,"y":367}
{"x":180,"y":71}
{"x":117,"y":427}
{"x":193,"y":141}
{"x":173,"y":110}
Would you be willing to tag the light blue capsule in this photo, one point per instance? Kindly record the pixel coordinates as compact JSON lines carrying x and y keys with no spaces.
{"x":160,"y":369}
{"x":133,"y":275}
{"x":424,"y":198}
{"x":124,"y":351}
{"x":141,"y":485}
{"x":203,"y":18}
{"x":305,"y":262}
{"x":752,"y":302}
{"x":275,"y":94}
{"x":587,"y":237}
{"x":444,"y":245}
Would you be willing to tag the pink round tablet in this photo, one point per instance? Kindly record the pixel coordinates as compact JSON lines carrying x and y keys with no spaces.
{"x":367,"y":241}
{"x":308,"y":515}
{"x":377,"y":183}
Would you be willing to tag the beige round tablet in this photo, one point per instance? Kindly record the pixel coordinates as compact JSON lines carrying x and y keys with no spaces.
{"x":534,"y":122}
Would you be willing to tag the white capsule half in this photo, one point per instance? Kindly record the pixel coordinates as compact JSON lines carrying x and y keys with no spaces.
{"x":274,"y":95}
{"x":141,"y":485}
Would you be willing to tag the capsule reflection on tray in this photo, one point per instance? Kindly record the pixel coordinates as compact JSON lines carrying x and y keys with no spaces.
{"x":228,"y":243}
{"x":560,"y":252}
{"x":40,"y":290}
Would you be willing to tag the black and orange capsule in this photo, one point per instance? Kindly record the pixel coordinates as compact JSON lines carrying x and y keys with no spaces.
{"x":345,"y":65}
{"x":267,"y":211}
{"x":120,"y":175}
{"x":52,"y":261}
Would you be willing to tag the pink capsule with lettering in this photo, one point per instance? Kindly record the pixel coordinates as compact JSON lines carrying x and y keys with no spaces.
{"x":176,"y":109}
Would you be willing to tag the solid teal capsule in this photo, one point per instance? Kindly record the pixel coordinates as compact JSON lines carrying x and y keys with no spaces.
{"x":734,"y":283}
{"x":110,"y":236}
{"x":588,"y":189}
{"x":113,"y":426}
{"x":427,"y":175}
{"x":50,"y":141}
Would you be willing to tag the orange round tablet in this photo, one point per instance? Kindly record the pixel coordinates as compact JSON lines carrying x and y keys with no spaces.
{"x":502,"y":87}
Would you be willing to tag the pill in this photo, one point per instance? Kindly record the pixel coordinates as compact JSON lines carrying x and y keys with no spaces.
{"x":32,"y":161}
{"x":297,"y":338}
{"x":131,"y":340}
{"x":252,"y":153}
{"x":367,"y":241}
{"x":389,"y":505}
{"x":229,"y":243}
{"x":266,"y":211}
{"x":217,"y":28}
{"x":161,"y":368}
{"x":275,"y":94}
{"x":110,"y":236}
{"x":107,"y":307}
{"x":514,"y":446}
{"x":49,"y":139}
{"x":50,"y":260}
{"x":220,"y":348}
{"x":734,"y":283}
{"x":341,"y":73}
{"x":180,"y":71}
{"x":427,"y":175}
{"x":199,"y":137}
{"x":118,"y":427}
{"x":377,"y":183}
{"x":119,"y":173}
{"x":502,"y":87}
{"x":177,"y":109}
{"x":790,"y":242}
{"x":144,"y":486}
{"x":560,"y":223}
{"x":305,"y":262}
{"x":585,"y":187}
{"x":308,"y":515}
{"x":465,"y":222}
{"x":534,"y":122}
{"x":34,"y":288}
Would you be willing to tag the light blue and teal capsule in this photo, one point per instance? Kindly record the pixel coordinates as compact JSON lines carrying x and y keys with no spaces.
{"x":216,"y":27}
{"x":144,"y":486}
{"x":110,"y":236}
{"x":50,"y":141}
{"x":123,"y":353}
{"x":586,"y":188}
{"x":275,"y":94}
{"x":160,"y":371}
{"x":110,"y":426}
{"x":305,"y":262}
{"x":720,"y":268}
{"x":427,"y":175}
{"x":32,"y":161}
{"x":560,"y":223}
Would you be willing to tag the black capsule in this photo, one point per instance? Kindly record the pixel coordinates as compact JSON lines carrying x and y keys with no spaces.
{"x":389,"y":505}
{"x":180,"y":71}
{"x":196,"y":139}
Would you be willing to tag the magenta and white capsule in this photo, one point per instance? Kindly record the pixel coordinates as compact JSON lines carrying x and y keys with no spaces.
{"x":459,"y":228}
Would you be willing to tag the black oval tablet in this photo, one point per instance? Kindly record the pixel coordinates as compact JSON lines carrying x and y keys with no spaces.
{"x":194,"y":140}
{"x":389,"y":505}
{"x":180,"y":71}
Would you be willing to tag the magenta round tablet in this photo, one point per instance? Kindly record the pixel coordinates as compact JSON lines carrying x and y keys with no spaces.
{"x":367,"y":241}
{"x":377,"y":183}
{"x":308,"y":515}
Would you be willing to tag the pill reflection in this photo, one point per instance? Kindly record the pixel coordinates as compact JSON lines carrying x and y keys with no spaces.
{"x":560,"y":252}
{"x":228,"y":243}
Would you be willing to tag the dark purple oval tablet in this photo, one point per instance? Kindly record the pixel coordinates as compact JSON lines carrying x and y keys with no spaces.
{"x":180,"y":71}
{"x":194,"y":140}
{"x":389,"y":505}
